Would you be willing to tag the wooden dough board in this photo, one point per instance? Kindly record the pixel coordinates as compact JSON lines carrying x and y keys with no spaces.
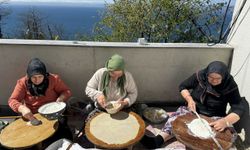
{"x":117,"y":116}
{"x":20,"y":135}
{"x":183,"y":135}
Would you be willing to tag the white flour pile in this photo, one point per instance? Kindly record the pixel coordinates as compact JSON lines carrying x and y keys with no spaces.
{"x":198,"y":128}
{"x":52,"y":107}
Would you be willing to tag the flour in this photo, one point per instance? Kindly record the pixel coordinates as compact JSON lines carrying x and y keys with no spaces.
{"x":52,"y":107}
{"x":198,"y":128}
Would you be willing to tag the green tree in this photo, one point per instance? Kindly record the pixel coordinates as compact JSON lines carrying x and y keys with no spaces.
{"x":159,"y":20}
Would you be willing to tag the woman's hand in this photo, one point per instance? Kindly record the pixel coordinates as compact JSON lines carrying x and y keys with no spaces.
{"x":26,"y":112}
{"x":101,"y":101}
{"x":29,"y":116}
{"x":191,"y":104}
{"x":189,"y":99}
{"x":33,"y":120}
{"x":60,"y":98}
{"x":219,"y":124}
{"x":123,"y":103}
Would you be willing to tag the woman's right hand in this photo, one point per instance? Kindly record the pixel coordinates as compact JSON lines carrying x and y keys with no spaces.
{"x":191,"y":104}
{"x":26,"y":112}
{"x":29,"y":116}
{"x":33,"y":120}
{"x":101,"y":101}
{"x":189,"y":99}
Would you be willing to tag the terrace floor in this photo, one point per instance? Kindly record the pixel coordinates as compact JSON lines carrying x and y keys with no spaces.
{"x":75,"y":122}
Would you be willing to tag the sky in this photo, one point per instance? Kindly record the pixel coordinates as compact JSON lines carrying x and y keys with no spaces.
{"x":63,"y":1}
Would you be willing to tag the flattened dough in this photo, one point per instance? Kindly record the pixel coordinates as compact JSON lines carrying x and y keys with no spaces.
{"x":114,"y":131}
{"x":199,"y":129}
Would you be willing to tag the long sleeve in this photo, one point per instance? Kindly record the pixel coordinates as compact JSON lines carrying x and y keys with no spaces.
{"x":22,"y":96}
{"x":189,"y":83}
{"x":235,"y":102}
{"x":93,"y":85}
{"x":131,"y":89}
{"x":61,"y":88}
{"x":17,"y":96}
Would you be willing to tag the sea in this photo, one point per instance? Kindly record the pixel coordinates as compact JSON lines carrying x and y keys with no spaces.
{"x":74,"y":18}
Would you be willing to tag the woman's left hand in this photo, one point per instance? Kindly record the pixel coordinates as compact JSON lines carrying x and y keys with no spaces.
{"x":123,"y":103}
{"x":219,"y":125}
{"x":59,"y":99}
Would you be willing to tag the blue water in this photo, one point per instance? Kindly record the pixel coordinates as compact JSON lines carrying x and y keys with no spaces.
{"x":74,"y":19}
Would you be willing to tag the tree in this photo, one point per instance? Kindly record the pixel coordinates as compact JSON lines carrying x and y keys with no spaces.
{"x":159,"y":20}
{"x":3,"y":13}
{"x":34,"y":25}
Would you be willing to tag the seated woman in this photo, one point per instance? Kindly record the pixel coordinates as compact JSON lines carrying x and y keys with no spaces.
{"x":212,"y":89}
{"x":37,"y":88}
{"x":112,"y":83}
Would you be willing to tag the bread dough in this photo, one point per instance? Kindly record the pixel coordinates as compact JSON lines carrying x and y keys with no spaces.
{"x":112,"y":130}
{"x":198,"y":128}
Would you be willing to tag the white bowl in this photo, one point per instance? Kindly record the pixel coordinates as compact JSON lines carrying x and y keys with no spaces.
{"x":113,"y":107}
{"x":52,"y":110}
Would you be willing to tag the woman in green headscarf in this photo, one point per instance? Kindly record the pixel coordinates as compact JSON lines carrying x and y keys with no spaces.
{"x":112,"y":83}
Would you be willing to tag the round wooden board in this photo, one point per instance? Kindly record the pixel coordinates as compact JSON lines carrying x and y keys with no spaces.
{"x":182,"y":134}
{"x":116,"y":117}
{"x":20,"y":135}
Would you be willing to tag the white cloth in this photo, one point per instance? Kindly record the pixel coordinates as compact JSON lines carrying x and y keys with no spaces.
{"x":63,"y":144}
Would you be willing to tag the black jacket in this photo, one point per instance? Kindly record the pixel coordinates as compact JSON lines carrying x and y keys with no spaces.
{"x":208,"y":103}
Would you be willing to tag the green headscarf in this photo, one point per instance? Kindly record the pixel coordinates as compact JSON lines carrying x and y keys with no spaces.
{"x":115,"y":63}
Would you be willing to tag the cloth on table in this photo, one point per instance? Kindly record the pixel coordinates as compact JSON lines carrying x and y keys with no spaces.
{"x":64,"y":144}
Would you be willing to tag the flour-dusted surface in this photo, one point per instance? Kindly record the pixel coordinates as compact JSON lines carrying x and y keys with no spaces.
{"x":198,"y":128}
{"x":114,"y":131}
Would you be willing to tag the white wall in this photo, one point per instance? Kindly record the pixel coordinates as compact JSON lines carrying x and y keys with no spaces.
{"x":158,"y":69}
{"x":239,"y":38}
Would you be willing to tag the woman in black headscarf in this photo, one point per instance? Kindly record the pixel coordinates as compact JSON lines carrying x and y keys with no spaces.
{"x":37,"y":88}
{"x":212,"y":89}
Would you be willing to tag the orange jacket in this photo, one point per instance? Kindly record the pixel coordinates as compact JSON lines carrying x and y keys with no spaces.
{"x":22,"y":96}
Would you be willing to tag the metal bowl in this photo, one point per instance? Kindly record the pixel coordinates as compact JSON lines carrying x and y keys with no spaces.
{"x":155,"y":115}
{"x":52,"y":110}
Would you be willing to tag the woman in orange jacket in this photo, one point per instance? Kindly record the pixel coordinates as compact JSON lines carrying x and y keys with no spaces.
{"x":38,"y":87}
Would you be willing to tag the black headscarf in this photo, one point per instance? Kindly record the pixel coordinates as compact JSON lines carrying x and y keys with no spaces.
{"x":226,"y":86}
{"x":36,"y":66}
